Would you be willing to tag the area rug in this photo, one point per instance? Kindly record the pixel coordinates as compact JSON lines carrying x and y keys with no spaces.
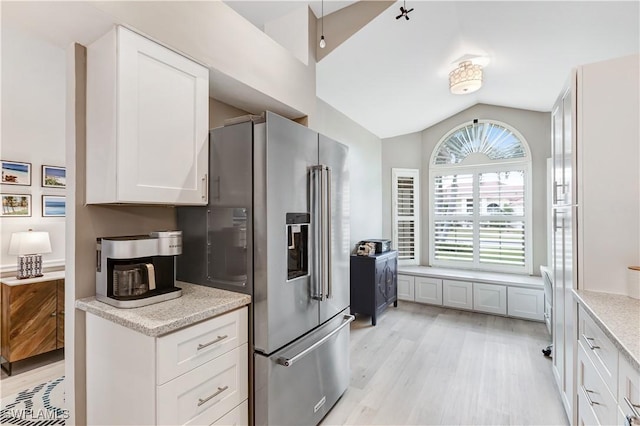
{"x":42,"y":405}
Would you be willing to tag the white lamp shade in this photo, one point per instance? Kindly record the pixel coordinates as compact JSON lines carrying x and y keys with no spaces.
{"x":29,"y":242}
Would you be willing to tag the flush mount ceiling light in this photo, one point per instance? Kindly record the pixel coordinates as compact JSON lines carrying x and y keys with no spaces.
{"x":466,"y":78}
{"x":323,"y":43}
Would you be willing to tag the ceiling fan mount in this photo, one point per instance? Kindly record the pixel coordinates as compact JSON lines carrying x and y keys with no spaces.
{"x":404,"y":11}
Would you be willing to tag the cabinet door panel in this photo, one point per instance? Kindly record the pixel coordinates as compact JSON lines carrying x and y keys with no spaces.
{"x":490,"y":298}
{"x":162,"y":118}
{"x":526,"y":303}
{"x":457,"y":294}
{"x":32,"y":319}
{"x":428,"y":290}
{"x":406,"y":287}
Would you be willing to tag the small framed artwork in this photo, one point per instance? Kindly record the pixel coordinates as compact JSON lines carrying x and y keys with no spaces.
{"x":16,"y":205}
{"x":54,"y":177}
{"x":16,"y":173}
{"x":54,"y":206}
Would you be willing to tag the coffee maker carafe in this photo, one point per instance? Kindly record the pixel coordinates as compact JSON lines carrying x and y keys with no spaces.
{"x":138,"y":270}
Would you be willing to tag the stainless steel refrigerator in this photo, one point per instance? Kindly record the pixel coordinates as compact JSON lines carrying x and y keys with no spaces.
{"x":277,"y":228}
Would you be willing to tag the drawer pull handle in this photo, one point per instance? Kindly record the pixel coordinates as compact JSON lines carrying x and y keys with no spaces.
{"x":589,"y":400}
{"x":204,"y":345}
{"x":53,"y":314}
{"x":633,"y":407}
{"x":588,"y":340}
{"x":213,"y":395}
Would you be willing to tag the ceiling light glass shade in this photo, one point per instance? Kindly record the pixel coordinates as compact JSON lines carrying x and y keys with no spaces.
{"x":467,"y":78}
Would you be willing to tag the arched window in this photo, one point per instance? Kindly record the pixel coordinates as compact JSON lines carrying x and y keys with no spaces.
{"x":480,"y":199}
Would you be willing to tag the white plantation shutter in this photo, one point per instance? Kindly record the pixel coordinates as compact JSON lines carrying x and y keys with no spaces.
{"x":453,"y":217}
{"x":406,"y":215}
{"x":480,"y":199}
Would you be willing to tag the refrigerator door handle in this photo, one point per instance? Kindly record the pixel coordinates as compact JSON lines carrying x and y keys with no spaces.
{"x":315,"y":199}
{"x":288,"y":362}
{"x":328,"y":233}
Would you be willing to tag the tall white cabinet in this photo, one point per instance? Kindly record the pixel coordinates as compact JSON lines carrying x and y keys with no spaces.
{"x":147,"y":123}
{"x":563,"y":257}
{"x":596,"y":208}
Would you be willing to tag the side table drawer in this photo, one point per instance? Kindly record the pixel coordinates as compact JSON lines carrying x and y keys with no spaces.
{"x":599,"y":349}
{"x":206,"y":393}
{"x":187,"y":349}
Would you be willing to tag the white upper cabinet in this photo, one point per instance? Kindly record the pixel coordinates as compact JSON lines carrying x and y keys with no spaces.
{"x":147,"y":123}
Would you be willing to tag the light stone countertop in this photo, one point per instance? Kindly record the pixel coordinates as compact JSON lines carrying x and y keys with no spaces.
{"x":197,"y":303}
{"x":619,"y":318}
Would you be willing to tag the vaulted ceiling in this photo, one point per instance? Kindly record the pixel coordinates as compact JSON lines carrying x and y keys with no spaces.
{"x":392,"y":75}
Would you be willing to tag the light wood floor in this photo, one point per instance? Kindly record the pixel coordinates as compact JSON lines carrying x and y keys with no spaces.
{"x":427,"y":365}
{"x":420,"y":365}
{"x":31,"y":372}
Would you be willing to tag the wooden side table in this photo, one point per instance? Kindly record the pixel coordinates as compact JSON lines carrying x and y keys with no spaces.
{"x":32,"y":313}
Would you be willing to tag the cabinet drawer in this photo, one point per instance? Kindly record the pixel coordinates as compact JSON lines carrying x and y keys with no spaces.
{"x":239,"y":416}
{"x":628,"y":387}
{"x":206,"y":393}
{"x":428,"y":290}
{"x":490,"y":298}
{"x":593,"y":394}
{"x":599,"y":349}
{"x":186,"y":349}
{"x":526,"y":303}
{"x":406,"y":287}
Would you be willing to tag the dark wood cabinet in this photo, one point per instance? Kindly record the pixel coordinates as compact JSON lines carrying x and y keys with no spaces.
{"x":374,"y":283}
{"x":32,"y":318}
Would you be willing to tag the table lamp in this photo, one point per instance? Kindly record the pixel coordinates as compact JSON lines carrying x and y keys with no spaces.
{"x":29,"y":247}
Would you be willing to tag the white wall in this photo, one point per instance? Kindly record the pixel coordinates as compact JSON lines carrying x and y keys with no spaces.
{"x":292,"y":31}
{"x":405,"y":151}
{"x":33,"y":131}
{"x":398,"y":152}
{"x":364,"y":167}
{"x":238,"y":53}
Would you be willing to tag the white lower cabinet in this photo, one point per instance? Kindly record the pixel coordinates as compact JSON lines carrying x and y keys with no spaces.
{"x":236,"y":417}
{"x":195,"y":375}
{"x":457,"y":294}
{"x":628,"y":389}
{"x":595,"y":401}
{"x":490,"y":298}
{"x":526,"y":303}
{"x":206,"y":393}
{"x":608,"y":386}
{"x":428,"y":290}
{"x":500,"y":297}
{"x":406,"y":287}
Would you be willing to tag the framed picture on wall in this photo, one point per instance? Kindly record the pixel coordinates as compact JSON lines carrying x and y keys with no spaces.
{"x":16,"y":205}
{"x":54,"y":177}
{"x":54,"y":206}
{"x":16,"y":173}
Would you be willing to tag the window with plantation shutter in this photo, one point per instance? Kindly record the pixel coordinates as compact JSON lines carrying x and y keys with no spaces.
{"x":406,"y":215}
{"x":480,"y":203}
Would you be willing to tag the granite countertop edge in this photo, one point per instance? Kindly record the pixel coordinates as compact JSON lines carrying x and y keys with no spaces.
{"x":624,"y":350}
{"x":221,"y":303}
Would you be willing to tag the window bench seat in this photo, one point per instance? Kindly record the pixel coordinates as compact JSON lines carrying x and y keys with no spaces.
{"x":513,"y":295}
